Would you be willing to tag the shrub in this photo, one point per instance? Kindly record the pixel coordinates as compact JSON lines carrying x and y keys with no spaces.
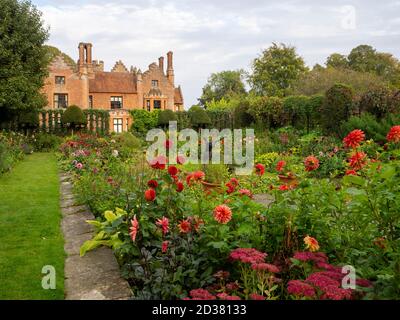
{"x":46,"y":142}
{"x":165,"y":116}
{"x":369,"y":124}
{"x":377,"y":101}
{"x":337,"y":107}
{"x":73,"y":117}
{"x":143,"y":121}
{"x":198,"y":117}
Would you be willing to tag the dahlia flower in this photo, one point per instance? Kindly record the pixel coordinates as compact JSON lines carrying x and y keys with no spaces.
{"x":150,"y":194}
{"x":164,"y":224}
{"x":134,"y":228}
{"x":354,"y":138}
{"x":222,"y":214}
{"x":393,"y":134}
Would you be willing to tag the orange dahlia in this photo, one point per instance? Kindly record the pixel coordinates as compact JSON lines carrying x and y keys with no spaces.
{"x":222,"y":214}
{"x":354,"y":138}
{"x":311,"y":243}
{"x":185,"y":226}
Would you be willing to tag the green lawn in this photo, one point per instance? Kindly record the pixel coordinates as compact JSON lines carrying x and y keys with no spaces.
{"x":30,"y":235}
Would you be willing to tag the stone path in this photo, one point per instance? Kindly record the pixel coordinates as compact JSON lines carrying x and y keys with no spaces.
{"x":263,"y":198}
{"x":95,"y":276}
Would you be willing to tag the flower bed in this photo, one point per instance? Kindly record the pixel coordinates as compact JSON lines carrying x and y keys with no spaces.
{"x":13,"y":147}
{"x":176,"y":239}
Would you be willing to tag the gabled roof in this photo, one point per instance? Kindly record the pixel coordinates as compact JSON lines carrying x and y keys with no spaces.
{"x":178,"y":99}
{"x":113,"y":82}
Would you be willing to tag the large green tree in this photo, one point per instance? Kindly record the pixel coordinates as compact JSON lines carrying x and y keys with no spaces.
{"x":274,"y":71}
{"x":337,"y":60}
{"x":23,"y":58}
{"x":223,"y":85}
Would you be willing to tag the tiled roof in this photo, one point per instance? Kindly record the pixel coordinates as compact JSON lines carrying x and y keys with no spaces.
{"x":113,"y":82}
{"x":178,"y":96}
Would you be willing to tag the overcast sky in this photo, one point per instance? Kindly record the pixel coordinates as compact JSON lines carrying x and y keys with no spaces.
{"x":208,"y":36}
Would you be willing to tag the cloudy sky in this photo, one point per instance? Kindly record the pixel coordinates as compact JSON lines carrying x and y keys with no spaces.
{"x":208,"y":36}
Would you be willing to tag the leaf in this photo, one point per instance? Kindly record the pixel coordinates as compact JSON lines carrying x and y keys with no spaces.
{"x":354,"y":180}
{"x":90,"y":245}
{"x":355,"y":191}
{"x":110,"y":216}
{"x":94,"y":223}
{"x":217,"y":244}
{"x":388,"y":172}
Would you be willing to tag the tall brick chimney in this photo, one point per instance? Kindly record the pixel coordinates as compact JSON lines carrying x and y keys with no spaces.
{"x":170,"y":68}
{"x":161,"y":63}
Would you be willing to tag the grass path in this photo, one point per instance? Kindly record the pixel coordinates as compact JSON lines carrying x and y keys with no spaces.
{"x":30,"y":234}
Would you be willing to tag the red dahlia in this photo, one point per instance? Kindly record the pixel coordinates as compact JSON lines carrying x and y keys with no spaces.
{"x":354,"y":138}
{"x":280,"y":165}
{"x":150,"y":194}
{"x":185,"y":226}
{"x":172,"y":170}
{"x":393,"y":134}
{"x":158,"y":162}
{"x":152,"y":184}
{"x":179,"y":186}
{"x":260,"y":169}
{"x":311,"y":163}
{"x":358,"y":160}
{"x":164,"y":224}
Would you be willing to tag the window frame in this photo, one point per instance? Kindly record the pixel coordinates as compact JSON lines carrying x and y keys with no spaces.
{"x":116,"y":100}
{"x":118,"y":125}
{"x":60,"y":82}
{"x":154,"y":83}
{"x":56,"y":102}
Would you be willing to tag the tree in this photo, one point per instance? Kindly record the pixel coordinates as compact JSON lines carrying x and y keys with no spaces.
{"x":318,"y":81}
{"x":53,"y":52}
{"x":365,"y":58}
{"x":337,"y":107}
{"x":223,"y":85}
{"x":198,"y":117}
{"x":23,"y":59}
{"x":336,"y":60}
{"x":73,"y":117}
{"x":165,"y":116}
{"x":275,"y":70}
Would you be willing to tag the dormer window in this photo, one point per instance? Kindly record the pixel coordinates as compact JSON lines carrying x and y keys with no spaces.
{"x":154,"y":83}
{"x":60,"y":80}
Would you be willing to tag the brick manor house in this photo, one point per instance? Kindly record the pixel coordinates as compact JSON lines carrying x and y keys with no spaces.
{"x":88,"y":86}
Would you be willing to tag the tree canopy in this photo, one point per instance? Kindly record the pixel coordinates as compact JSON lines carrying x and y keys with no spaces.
{"x":23,"y":58}
{"x":274,"y":71}
{"x":223,"y":85}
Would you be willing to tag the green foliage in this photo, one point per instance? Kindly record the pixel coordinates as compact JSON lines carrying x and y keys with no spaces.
{"x":24,"y":61}
{"x":337,"y":107}
{"x":319,"y":80}
{"x":366,"y":122}
{"x":216,"y":173}
{"x":143,"y":120}
{"x":53,"y":52}
{"x":275,"y":70}
{"x":223,"y":85}
{"x":165,"y":116}
{"x":198,"y":117}
{"x":336,"y":60}
{"x":378,"y":101}
{"x":12,"y":149}
{"x":45,"y":142}
{"x":73,"y":117}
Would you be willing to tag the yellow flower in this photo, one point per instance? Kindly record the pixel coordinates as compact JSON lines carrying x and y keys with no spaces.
{"x":311,"y":243}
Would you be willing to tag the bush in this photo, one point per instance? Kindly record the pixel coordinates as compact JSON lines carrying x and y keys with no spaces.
{"x":143,"y":121}
{"x":198,"y":117}
{"x":165,"y":116}
{"x":372,"y":128}
{"x":377,"y":101}
{"x":46,"y":142}
{"x":73,"y":117}
{"x":337,"y":107}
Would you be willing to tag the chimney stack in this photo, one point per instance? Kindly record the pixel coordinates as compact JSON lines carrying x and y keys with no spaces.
{"x":170,"y":68}
{"x":161,"y":63}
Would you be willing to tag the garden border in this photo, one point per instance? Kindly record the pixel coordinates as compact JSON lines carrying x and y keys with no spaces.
{"x":95,"y":276}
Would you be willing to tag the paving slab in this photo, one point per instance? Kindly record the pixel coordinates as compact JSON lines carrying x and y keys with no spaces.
{"x":96,"y":275}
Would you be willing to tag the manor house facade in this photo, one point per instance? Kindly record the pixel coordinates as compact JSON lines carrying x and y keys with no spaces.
{"x":88,"y":86}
